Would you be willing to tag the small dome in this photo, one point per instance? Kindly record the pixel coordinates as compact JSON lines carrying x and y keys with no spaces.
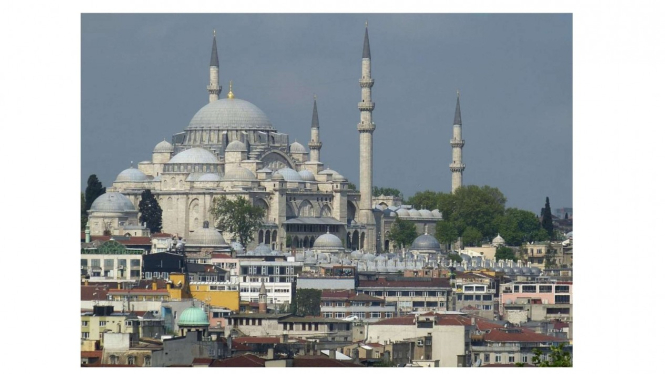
{"x":425,"y":213}
{"x":402,"y":212}
{"x":113,"y":202}
{"x":498,"y":240}
{"x":338,"y":178}
{"x":195,"y":156}
{"x":289,"y":175}
{"x":414,"y":213}
{"x":193,"y":317}
{"x":205,"y":236}
{"x":239,"y":174}
{"x":236,"y":146}
{"x":328,"y":172}
{"x":356,"y":255}
{"x":131,"y":175}
{"x":328,"y":241}
{"x":277,"y":176}
{"x":297,"y":148}
{"x":425,"y":242}
{"x":163,"y":147}
{"x":265,"y":170}
{"x":368,"y":257}
{"x":307,"y":175}
{"x":209,"y":177}
{"x":262,"y":250}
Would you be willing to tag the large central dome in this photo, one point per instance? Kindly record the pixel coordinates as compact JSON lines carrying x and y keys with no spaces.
{"x":231,"y":114}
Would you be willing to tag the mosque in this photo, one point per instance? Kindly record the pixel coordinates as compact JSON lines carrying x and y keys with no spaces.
{"x":230,"y":148}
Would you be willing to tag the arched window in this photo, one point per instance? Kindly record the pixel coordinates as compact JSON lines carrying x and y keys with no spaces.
{"x":325,"y":211}
{"x":306,"y":209}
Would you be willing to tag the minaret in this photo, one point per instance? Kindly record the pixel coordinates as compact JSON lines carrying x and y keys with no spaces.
{"x":213,"y":87}
{"x":263,"y":299}
{"x":366,"y":128}
{"x":457,"y":167}
{"x":314,"y":143}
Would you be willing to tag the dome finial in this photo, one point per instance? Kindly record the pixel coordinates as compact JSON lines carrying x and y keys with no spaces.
{"x":458,"y":92}
{"x":214,"y":33}
{"x":230,"y":94}
{"x":131,"y":164}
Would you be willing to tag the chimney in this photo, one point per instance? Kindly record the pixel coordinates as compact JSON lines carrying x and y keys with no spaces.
{"x":86,"y":282}
{"x":154,"y":285}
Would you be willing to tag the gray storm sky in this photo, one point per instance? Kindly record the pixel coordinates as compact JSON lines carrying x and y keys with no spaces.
{"x":144,"y":76}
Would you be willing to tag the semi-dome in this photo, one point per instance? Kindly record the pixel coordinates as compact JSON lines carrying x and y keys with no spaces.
{"x":112,"y":202}
{"x":193,"y":317}
{"x":289,"y":175}
{"x":131,"y":175}
{"x":236,"y":146}
{"x":230,"y":114}
{"x":195,"y":156}
{"x":425,"y":242}
{"x":328,"y":241}
{"x":163,"y":147}
{"x":307,"y":175}
{"x":205,"y":236}
{"x":209,"y":177}
{"x":297,"y":148}
{"x":239,"y":174}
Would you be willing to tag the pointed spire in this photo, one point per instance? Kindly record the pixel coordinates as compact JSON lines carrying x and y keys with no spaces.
{"x":315,"y":115}
{"x":366,"y":53}
{"x":458,"y":114}
{"x":214,"y":61}
{"x":230,"y":95}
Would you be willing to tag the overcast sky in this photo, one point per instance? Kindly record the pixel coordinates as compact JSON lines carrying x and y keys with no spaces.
{"x":145,"y":76}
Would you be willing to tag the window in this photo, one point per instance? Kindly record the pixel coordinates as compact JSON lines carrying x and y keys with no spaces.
{"x":376,"y":315}
{"x":84,"y":262}
{"x":340,"y":315}
{"x":511,"y":358}
{"x":122,"y":263}
{"x":135,"y":262}
{"x":148,"y":275}
{"x":562,"y":299}
{"x":85,"y":335}
{"x":95,"y":262}
{"x":165,"y":275}
{"x":487,"y":357}
{"x":528,"y":289}
{"x":84,"y":323}
{"x":487,"y":307}
{"x":327,"y":315}
{"x":516,"y":288}
{"x":389,"y":314}
{"x":264,"y":270}
{"x":102,"y":323}
{"x":525,"y":359}
{"x":561,"y":289}
{"x":497,"y":358}
{"x":545,"y":289}
{"x":487,"y":297}
{"x":108,"y":263}
{"x":113,"y":359}
{"x":339,"y":303}
{"x":276,"y":270}
{"x":131,"y":360}
{"x":539,"y":251}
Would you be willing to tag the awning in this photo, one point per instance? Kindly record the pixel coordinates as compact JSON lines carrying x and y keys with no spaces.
{"x":314,"y":221}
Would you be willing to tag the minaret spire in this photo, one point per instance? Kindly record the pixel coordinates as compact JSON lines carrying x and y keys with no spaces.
{"x":366,"y":129}
{"x":314,"y":143}
{"x":457,"y":143}
{"x":213,"y":87}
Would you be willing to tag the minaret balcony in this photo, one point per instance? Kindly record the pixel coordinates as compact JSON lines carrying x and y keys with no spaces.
{"x":314,"y":145}
{"x":366,"y":83}
{"x":457,"y":143}
{"x":363,"y":106}
{"x":457,"y":167}
{"x":366,"y":127}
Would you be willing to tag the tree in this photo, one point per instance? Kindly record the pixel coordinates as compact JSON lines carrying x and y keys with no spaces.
{"x":307,"y":302}
{"x":385,"y":191}
{"x":289,"y":241}
{"x":504,"y":253}
{"x":402,"y":232}
{"x":558,"y":357}
{"x":237,"y":217}
{"x":446,"y":232}
{"x":550,"y":256}
{"x":425,"y":200}
{"x":566,"y":216}
{"x":84,"y":215}
{"x":455,"y":258}
{"x":472,"y":236}
{"x":473,"y":206}
{"x":546,"y":220}
{"x":518,"y":226}
{"x":150,"y":212}
{"x":352,"y":186}
{"x":93,"y":191}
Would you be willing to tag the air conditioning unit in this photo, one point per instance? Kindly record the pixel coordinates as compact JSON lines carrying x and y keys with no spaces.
{"x":420,"y":343}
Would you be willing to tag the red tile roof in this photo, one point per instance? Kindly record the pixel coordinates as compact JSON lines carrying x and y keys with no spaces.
{"x":321,"y":361}
{"x":406,"y":320}
{"x":162,"y":235}
{"x":138,"y":291}
{"x":221,"y":255}
{"x":452,"y":320}
{"x":91,"y":354}
{"x":88,"y":291}
{"x":240,"y":347}
{"x":519,"y":335}
{"x":240,"y":361}
{"x":374,"y":345}
{"x":203,"y":361}
{"x":257,"y":340}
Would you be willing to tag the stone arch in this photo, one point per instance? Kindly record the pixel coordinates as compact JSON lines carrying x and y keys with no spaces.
{"x":362,"y":240}
{"x":173,"y":183}
{"x":267,"y":237}
{"x":326,"y":211}
{"x":355,"y":239}
{"x":290,"y":212}
{"x":263,"y":205}
{"x":276,"y":159}
{"x":194,"y":212}
{"x":383,"y":205}
{"x":169,"y":203}
{"x":181,"y":185}
{"x":348,"y":240}
{"x":274,"y":236}
{"x":260,"y":236}
{"x":311,"y":242}
{"x":306,"y":209}
{"x":351,"y":211}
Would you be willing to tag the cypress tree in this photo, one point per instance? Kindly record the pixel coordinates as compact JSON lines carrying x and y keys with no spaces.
{"x":93,"y":191}
{"x":150,"y":212}
{"x":547,"y":218}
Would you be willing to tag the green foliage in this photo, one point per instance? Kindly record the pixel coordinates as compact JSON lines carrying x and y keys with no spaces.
{"x":558,"y":357}
{"x":455,"y":257}
{"x":475,"y":207}
{"x":84,"y":215}
{"x":550,"y":256}
{"x":385,"y":191}
{"x":384,"y":363}
{"x":352,"y":186}
{"x":472,"y":236}
{"x":307,"y":302}
{"x":237,"y":217}
{"x":546,"y":216}
{"x":425,"y":200}
{"x":289,"y":241}
{"x":93,"y":191}
{"x":518,"y":226}
{"x":445,"y":232}
{"x":150,"y":212}
{"x":402,"y":232}
{"x":504,"y":253}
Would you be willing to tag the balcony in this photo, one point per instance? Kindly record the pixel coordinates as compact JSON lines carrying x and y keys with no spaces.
{"x":482,"y":348}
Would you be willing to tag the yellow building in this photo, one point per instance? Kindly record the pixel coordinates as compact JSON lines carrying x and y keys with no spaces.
{"x":216,"y":294}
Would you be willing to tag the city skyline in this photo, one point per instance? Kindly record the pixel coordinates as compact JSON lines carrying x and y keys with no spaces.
{"x":144,"y":77}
